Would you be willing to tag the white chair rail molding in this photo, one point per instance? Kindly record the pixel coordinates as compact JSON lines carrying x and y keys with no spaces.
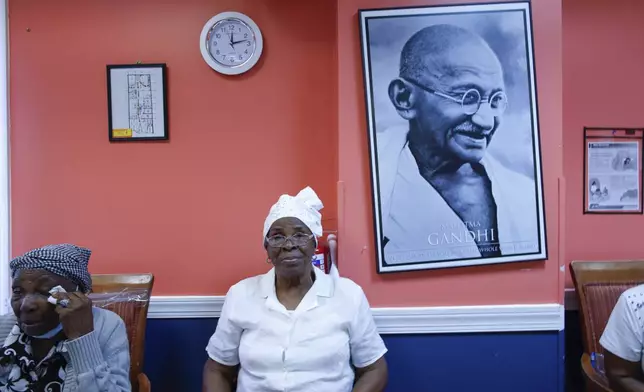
{"x":401,"y":320}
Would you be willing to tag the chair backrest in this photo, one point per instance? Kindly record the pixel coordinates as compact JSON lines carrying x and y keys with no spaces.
{"x":599,"y":285}
{"x":127,"y":295}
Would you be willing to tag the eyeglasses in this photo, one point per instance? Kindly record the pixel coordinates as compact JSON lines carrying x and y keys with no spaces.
{"x":471,"y":99}
{"x":297,"y":239}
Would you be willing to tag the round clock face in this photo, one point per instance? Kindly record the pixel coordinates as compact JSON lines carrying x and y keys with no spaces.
{"x":231,"y":43}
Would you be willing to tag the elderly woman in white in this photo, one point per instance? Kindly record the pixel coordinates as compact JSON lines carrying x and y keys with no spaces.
{"x":623,"y":342}
{"x":295,"y":328}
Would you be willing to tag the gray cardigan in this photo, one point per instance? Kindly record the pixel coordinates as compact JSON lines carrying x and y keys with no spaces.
{"x":96,"y":362}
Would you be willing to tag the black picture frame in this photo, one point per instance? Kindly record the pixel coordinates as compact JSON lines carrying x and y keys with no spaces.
{"x":155,"y":119}
{"x":608,"y":135}
{"x":538,"y":249}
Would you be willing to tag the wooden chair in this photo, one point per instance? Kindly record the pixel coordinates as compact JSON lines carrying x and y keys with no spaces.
{"x":128,"y":295}
{"x":599,"y":285}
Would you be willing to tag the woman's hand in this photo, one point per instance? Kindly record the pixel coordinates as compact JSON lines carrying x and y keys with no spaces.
{"x":77,"y":318}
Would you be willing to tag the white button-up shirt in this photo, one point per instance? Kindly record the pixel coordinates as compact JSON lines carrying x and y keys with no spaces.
{"x":308,"y":349}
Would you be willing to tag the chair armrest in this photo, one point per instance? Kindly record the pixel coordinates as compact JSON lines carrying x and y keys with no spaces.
{"x":594,"y":381}
{"x":144,"y":383}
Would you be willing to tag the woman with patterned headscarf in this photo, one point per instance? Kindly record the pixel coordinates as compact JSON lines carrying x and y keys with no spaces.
{"x":56,"y":341}
{"x":295,"y":328}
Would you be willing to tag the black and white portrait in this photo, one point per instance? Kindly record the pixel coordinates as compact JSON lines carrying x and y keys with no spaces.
{"x":454,"y":136}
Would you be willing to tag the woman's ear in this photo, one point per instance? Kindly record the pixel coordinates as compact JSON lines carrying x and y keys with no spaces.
{"x":403,"y":96}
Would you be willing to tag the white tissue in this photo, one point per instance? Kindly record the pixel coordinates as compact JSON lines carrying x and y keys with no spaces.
{"x":54,"y":290}
{"x":57,"y":289}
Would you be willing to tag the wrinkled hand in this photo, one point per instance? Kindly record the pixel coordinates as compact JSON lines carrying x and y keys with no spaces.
{"x":77,"y":318}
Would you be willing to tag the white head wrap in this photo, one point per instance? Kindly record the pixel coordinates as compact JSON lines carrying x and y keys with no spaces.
{"x":305,"y":206}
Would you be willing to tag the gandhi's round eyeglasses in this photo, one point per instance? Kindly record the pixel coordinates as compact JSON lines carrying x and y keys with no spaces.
{"x":471,"y":99}
{"x":297,"y":239}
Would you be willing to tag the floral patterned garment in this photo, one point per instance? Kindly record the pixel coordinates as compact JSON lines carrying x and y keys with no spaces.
{"x":19,"y":372}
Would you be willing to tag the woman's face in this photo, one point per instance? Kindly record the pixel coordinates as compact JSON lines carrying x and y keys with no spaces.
{"x":30,"y":289}
{"x":292,"y":259}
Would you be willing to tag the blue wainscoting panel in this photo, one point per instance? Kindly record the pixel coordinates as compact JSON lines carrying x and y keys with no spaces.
{"x":175,"y":352}
{"x":507,"y":362}
{"x":495,"y":362}
{"x":574,"y":350}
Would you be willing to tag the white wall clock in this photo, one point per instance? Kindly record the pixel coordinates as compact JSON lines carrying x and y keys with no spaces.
{"x":231,"y":43}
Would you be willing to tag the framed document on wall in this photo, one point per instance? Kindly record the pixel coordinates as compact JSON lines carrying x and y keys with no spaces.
{"x":613,"y":170}
{"x":137,"y":104}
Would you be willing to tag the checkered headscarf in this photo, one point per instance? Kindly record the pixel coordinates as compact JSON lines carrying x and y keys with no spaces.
{"x":66,"y":260}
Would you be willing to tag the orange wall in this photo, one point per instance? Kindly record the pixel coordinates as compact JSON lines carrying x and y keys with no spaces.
{"x":535,"y":282}
{"x":191,"y":210}
{"x":603,"y":57}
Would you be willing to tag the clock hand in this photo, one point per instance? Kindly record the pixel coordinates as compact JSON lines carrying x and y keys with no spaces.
{"x":237,"y":42}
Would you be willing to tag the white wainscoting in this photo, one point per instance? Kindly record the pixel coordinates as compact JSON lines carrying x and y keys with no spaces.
{"x":439,"y":319}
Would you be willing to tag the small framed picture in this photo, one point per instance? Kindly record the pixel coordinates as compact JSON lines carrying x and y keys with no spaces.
{"x":137,"y":104}
{"x":613,"y":170}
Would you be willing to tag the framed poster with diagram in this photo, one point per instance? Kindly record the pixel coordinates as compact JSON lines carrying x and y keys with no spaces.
{"x":613,"y":170}
{"x":137,"y":104}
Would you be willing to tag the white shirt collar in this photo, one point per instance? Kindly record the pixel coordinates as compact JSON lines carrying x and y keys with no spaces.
{"x":323,"y":285}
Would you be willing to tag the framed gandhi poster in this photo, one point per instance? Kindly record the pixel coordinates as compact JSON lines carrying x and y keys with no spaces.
{"x":454,"y":135}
